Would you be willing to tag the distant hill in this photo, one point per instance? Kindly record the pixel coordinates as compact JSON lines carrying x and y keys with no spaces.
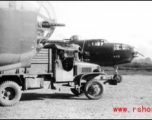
{"x":146,"y":60}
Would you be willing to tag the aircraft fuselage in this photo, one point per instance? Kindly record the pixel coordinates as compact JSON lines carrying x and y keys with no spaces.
{"x":106,"y":54}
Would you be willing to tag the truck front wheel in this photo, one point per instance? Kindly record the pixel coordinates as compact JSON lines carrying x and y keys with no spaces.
{"x":10,"y":93}
{"x":94,"y":89}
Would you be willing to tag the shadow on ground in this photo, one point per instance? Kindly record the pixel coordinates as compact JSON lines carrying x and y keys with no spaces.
{"x":40,"y":96}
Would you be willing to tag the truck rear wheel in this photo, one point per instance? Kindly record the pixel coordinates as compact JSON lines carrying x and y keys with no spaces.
{"x":94,"y":89}
{"x":10,"y":93}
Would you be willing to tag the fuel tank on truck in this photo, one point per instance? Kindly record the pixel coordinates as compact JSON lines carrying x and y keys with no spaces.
{"x":20,"y":29}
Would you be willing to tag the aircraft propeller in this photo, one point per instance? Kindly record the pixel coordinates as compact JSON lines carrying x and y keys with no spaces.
{"x":135,"y":52}
{"x":140,"y":54}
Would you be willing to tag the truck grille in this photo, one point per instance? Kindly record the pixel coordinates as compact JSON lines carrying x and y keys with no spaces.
{"x":86,"y":69}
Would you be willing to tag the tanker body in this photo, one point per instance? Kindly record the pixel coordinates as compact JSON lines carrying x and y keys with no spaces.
{"x":21,"y":29}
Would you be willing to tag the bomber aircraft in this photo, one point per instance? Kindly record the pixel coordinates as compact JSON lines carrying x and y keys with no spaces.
{"x":104,"y":53}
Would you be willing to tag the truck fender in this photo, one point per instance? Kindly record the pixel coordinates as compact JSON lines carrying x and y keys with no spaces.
{"x":16,"y":78}
{"x":87,"y":77}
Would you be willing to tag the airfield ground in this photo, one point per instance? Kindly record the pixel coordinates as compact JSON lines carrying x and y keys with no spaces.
{"x":135,"y":92}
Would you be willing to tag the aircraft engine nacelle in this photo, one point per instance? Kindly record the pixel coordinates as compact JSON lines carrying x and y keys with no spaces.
{"x":19,"y":31}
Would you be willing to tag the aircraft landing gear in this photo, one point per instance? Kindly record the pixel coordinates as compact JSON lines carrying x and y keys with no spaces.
{"x":117,"y":76}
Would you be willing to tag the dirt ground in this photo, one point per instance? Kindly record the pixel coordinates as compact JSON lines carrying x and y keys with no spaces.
{"x":134,"y":92}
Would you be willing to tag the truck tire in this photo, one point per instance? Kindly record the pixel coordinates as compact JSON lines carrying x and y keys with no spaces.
{"x":118,"y":78}
{"x":10,"y":93}
{"x":94,"y":89}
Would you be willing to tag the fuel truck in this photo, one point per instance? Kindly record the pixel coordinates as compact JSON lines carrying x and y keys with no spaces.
{"x":28,"y":58}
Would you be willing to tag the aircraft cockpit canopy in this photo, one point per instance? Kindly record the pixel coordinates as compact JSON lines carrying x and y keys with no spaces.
{"x":118,"y":46}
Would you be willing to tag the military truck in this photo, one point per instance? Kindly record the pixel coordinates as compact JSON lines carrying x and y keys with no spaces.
{"x":57,"y":63}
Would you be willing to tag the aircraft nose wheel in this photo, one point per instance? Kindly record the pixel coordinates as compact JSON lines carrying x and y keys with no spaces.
{"x":118,"y":78}
{"x":116,"y":75}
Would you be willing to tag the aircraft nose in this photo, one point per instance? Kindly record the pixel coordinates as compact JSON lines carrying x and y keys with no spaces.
{"x":134,"y":52}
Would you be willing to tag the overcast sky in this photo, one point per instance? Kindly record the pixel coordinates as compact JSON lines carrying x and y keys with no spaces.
{"x":128,"y":22}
